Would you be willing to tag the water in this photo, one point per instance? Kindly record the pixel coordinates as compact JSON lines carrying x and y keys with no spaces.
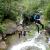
{"x":35,"y":44}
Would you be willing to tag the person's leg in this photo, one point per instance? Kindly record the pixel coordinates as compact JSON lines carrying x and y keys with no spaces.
{"x":36,"y":22}
{"x":40,"y":24}
{"x":24,"y":33}
{"x":37,"y":27}
{"x":20,"y":34}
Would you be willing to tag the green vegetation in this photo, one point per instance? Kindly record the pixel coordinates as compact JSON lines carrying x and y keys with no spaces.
{"x":14,"y":9}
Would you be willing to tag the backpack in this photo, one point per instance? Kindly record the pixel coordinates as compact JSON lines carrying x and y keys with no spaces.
{"x":37,"y":17}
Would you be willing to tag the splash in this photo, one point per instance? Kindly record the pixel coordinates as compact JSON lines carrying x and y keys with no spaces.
{"x":29,"y":43}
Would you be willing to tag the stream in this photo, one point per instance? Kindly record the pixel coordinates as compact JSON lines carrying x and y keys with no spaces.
{"x":35,"y":43}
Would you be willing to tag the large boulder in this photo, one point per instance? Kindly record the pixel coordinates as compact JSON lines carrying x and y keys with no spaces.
{"x":2,"y":45}
{"x":10,"y":28}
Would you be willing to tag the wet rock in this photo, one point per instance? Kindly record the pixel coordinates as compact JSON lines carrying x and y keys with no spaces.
{"x":19,"y":28}
{"x":41,"y":37}
{"x":47,"y":29}
{"x":10,"y":28}
{"x":31,"y":48}
{"x":0,"y":37}
{"x":2,"y":45}
{"x":49,"y":40}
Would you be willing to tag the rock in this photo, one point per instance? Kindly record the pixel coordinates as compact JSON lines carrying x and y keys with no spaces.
{"x":49,"y":40}
{"x":47,"y":28}
{"x":20,"y":28}
{"x":10,"y":28}
{"x":0,"y":37}
{"x":2,"y":44}
{"x":30,"y":48}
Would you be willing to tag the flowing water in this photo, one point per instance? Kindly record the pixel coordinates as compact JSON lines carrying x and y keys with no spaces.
{"x":35,"y":43}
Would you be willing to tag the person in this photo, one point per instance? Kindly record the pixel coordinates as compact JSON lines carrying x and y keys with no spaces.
{"x":36,"y":20}
{"x":20,"y":34}
{"x":24,"y":33}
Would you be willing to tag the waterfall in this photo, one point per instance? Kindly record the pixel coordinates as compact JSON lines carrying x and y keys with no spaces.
{"x":30,"y":43}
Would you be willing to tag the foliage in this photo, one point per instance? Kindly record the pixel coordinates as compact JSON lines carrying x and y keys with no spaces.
{"x":2,"y":28}
{"x":14,"y":9}
{"x":47,"y":12}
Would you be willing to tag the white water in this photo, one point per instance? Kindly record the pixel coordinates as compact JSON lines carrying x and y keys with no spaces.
{"x":29,"y":43}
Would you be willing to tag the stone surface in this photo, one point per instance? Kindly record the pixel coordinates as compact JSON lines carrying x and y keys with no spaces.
{"x":0,"y":37}
{"x":2,"y":44}
{"x":31,"y":48}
